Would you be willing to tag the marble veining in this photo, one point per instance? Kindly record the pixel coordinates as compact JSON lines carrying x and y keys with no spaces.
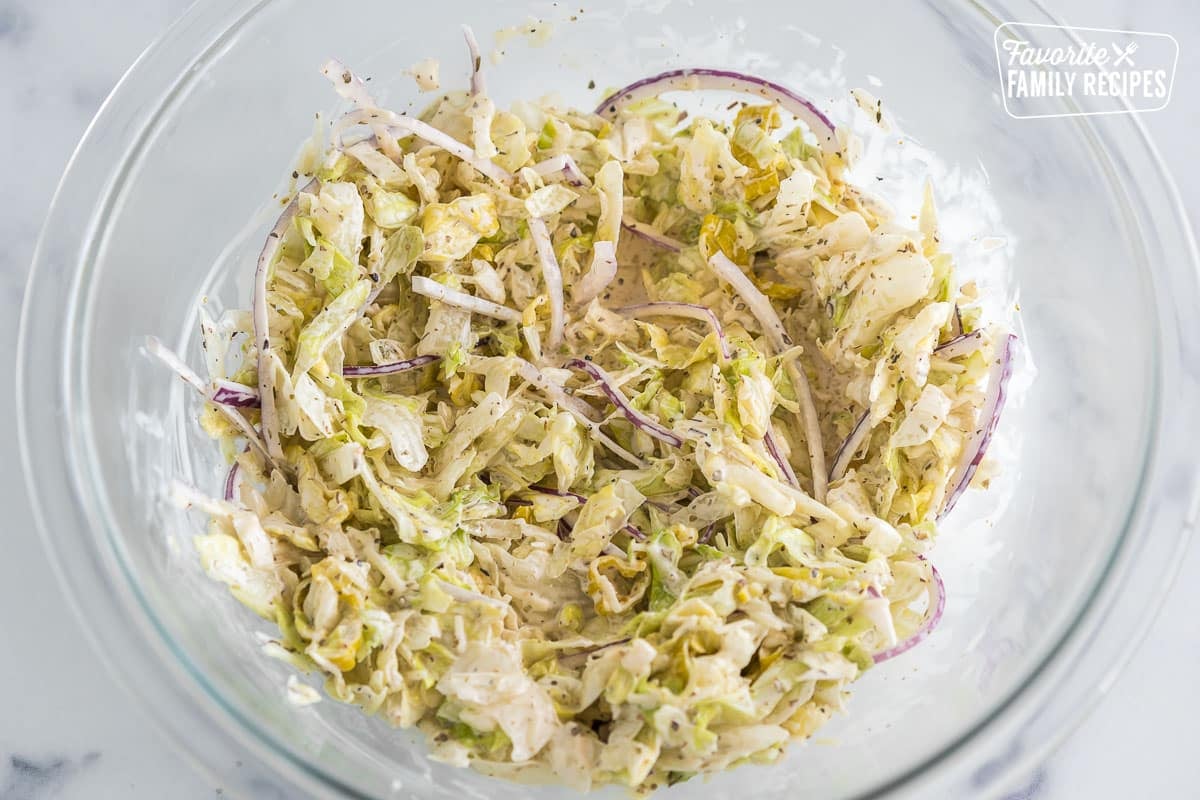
{"x":30,"y":780}
{"x":14,"y":25}
{"x":1032,"y":789}
{"x":66,"y":731}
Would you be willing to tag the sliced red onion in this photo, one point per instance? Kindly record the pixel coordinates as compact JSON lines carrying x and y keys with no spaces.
{"x":368,"y":154}
{"x":707,"y":534}
{"x":961,"y":345}
{"x":350,"y":87}
{"x":785,"y":468}
{"x":577,"y":408}
{"x":617,"y":398}
{"x":758,"y":303}
{"x":478,"y":84}
{"x":561,"y":165}
{"x":452,"y":297}
{"x":630,"y":529}
{"x":812,"y":427}
{"x":552,"y":275}
{"x":262,"y":321}
{"x":760,"y":306}
{"x":410,"y":126}
{"x":176,"y":364}
{"x":648,"y":233}
{"x":704,"y":79}
{"x":232,"y":393}
{"x":687,"y":310}
{"x":599,"y":275}
{"x":231,"y":483}
{"x":347,"y":84}
{"x":977,"y":443}
{"x":933,"y":615}
{"x":378,"y":137}
{"x":391,"y":368}
{"x":845,"y":452}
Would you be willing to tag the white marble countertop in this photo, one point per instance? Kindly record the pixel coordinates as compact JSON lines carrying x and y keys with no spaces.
{"x":66,"y":731}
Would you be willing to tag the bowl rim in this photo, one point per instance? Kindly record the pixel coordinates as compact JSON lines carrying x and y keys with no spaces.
{"x":51,"y":436}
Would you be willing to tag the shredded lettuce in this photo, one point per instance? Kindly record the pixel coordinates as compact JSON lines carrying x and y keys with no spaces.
{"x":592,"y":543}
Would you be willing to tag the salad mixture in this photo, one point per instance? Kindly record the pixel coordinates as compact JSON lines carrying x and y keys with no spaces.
{"x":601,"y":446}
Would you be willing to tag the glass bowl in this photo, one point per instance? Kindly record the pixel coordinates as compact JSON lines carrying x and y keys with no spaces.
{"x":1052,"y":577}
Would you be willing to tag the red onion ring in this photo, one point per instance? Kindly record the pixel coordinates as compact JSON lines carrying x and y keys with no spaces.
{"x":687,"y":310}
{"x":704,"y":314}
{"x":989,"y":416}
{"x":379,"y":119}
{"x":617,"y":398}
{"x":262,"y":330}
{"x":785,"y":468}
{"x":705,"y":79}
{"x":231,"y":482}
{"x":478,"y":86}
{"x":847,"y":449}
{"x":960,"y":345}
{"x":644,"y":231}
{"x":390,"y":368}
{"x":937,"y":607}
{"x":773,"y":328}
{"x":758,"y":303}
{"x":232,"y":393}
{"x":561,"y":165}
{"x":251,"y":434}
{"x":348,"y":85}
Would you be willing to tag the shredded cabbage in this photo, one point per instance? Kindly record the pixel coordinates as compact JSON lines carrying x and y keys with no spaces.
{"x":593,"y":543}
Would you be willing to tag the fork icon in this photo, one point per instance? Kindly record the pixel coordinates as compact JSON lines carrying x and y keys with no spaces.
{"x":1124,"y":55}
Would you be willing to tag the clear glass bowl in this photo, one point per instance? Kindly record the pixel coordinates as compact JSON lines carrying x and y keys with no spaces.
{"x":164,"y":201}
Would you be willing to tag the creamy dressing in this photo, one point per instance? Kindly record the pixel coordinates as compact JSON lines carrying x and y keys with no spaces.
{"x":633,"y":254}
